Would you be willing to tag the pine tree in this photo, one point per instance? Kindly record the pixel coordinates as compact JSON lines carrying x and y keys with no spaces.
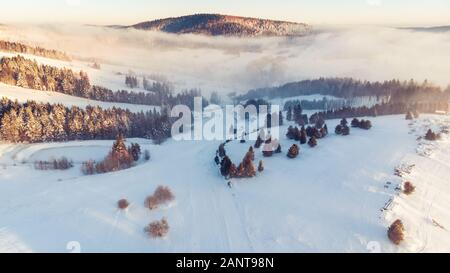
{"x":135,"y":151}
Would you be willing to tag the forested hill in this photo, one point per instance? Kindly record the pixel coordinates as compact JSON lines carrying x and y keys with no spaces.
{"x":397,"y":91}
{"x":216,"y":25}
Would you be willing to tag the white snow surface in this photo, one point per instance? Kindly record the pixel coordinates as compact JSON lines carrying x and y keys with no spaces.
{"x":328,"y":199}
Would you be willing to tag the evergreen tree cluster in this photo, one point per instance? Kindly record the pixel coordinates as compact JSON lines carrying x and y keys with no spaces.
{"x":397,"y":91}
{"x":38,"y":51}
{"x":382,"y":109}
{"x":38,"y":122}
{"x":294,"y":113}
{"x":25,"y":73}
{"x":120,"y":157}
{"x":131,"y":81}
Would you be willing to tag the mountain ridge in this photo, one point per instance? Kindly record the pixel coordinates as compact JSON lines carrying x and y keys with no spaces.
{"x":224,"y":25}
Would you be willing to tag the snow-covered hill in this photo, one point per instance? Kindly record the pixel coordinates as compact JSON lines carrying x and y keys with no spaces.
{"x":327,"y":199}
{"x":23,"y":94}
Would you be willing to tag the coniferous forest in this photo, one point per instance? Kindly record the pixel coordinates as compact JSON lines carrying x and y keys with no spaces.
{"x":25,"y":73}
{"x":38,"y":122}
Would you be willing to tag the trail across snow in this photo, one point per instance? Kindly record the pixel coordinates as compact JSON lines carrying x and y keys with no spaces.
{"x":329,"y":199}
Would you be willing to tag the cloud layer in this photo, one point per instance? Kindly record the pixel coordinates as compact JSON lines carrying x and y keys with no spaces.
{"x":239,"y":64}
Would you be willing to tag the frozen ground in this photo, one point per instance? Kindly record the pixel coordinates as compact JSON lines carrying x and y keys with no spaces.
{"x":328,"y":199}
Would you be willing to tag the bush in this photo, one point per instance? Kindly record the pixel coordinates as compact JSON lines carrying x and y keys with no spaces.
{"x":55,"y":164}
{"x":293,"y":151}
{"x":246,"y":169}
{"x":355,"y":123}
{"x":312,"y":142}
{"x":157,"y":229}
{"x":408,"y":188}
{"x":162,"y":195}
{"x":260,"y":166}
{"x":365,"y":124}
{"x":123,"y":204}
{"x":396,"y":232}
{"x":338,"y":129}
{"x":135,"y":151}
{"x":430,"y":135}
{"x":120,"y":157}
{"x":409,"y":116}
{"x":146,"y":155}
{"x":345,"y":130}
{"x":88,"y":167}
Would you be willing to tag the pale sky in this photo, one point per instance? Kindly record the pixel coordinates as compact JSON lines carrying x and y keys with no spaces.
{"x":385,"y":12}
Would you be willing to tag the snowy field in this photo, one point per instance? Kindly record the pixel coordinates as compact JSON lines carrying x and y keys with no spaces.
{"x":328,"y":199}
{"x":24,"y":94}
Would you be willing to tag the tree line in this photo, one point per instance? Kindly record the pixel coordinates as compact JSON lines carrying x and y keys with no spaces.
{"x":39,"y":122}
{"x":38,"y":51}
{"x":380,"y":110}
{"x":26,"y":73}
{"x":395,"y":90}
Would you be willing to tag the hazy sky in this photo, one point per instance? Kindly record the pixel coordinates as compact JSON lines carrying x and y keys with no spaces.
{"x":394,"y":12}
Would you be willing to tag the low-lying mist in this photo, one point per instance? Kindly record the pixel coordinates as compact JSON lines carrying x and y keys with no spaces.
{"x":237,"y":64}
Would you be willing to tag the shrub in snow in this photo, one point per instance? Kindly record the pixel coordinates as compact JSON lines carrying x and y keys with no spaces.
{"x":56,"y":164}
{"x":365,"y":124}
{"x":408,"y":188}
{"x":225,"y":166}
{"x":303,"y":137}
{"x":338,"y":129}
{"x":396,"y":232}
{"x":290,"y":132}
{"x":246,"y":168}
{"x":146,"y":155}
{"x":345,"y":130}
{"x":409,"y":115}
{"x":324,"y":131}
{"x":258,"y":142}
{"x":222,"y":151}
{"x":88,"y":167}
{"x":162,"y":195}
{"x":260,"y":166}
{"x":157,"y":229}
{"x":277,"y":145}
{"x":251,"y":152}
{"x":430,"y":135}
{"x":123,"y":204}
{"x":355,"y":123}
{"x":119,"y":158}
{"x":135,"y":151}
{"x":312,"y":142}
{"x":293,"y":151}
